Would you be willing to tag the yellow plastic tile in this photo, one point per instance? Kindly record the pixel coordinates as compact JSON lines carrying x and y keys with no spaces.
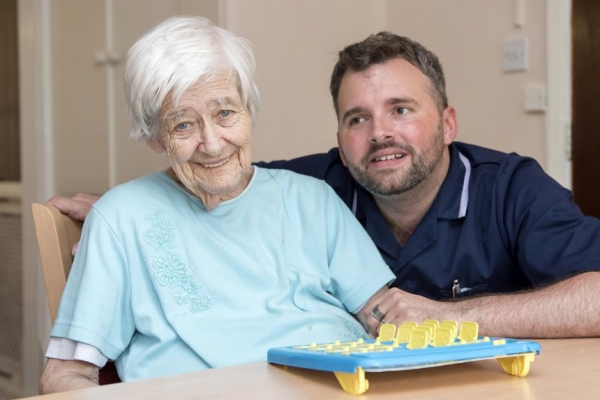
{"x":450,"y":322}
{"x":453,"y":325}
{"x":469,"y":331}
{"x":403,"y":334}
{"x":433,"y":322}
{"x":428,"y":328}
{"x":419,"y":339}
{"x":442,"y":336}
{"x":387,"y":332}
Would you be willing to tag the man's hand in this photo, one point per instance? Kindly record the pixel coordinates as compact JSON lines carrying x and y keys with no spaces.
{"x":77,"y":207}
{"x":398,"y":306}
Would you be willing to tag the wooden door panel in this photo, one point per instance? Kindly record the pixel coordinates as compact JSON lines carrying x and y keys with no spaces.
{"x":586,"y":104}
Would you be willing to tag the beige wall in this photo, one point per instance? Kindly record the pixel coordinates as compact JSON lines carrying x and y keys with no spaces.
{"x":297,"y":41}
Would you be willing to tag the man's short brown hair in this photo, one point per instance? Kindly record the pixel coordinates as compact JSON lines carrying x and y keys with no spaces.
{"x":383,"y":47}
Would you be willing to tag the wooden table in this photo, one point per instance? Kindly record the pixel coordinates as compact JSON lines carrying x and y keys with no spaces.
{"x":565,"y":369}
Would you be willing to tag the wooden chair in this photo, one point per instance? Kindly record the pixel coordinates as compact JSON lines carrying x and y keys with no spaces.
{"x":56,"y":234}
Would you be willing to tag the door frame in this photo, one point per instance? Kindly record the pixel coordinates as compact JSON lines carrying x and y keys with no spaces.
{"x":558,"y":112}
{"x":37,"y":175}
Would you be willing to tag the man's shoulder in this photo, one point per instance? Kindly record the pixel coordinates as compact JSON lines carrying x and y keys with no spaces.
{"x":510,"y":176}
{"x":486,"y":159}
{"x":484,"y":155}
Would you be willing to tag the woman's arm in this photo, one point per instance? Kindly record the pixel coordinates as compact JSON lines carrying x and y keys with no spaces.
{"x":64,"y":375}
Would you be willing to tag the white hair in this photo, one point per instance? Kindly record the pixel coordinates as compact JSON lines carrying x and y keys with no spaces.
{"x":172,"y":57}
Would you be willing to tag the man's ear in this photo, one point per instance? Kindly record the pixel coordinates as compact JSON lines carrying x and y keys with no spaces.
{"x":450,"y":125}
{"x":156,"y":145}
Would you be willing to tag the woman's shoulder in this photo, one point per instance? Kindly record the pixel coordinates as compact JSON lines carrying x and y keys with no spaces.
{"x":293,"y":179}
{"x":132,"y":194}
{"x":292,"y":184}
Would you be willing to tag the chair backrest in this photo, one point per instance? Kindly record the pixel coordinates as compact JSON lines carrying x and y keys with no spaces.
{"x":56,"y":234}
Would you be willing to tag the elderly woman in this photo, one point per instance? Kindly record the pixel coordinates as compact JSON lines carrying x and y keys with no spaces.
{"x":214,"y":261}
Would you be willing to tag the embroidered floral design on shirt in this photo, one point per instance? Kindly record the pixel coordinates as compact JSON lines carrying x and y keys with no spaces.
{"x":160,"y":235}
{"x":169,"y":270}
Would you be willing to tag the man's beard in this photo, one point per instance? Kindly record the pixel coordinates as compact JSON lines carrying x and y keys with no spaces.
{"x":393,"y":182}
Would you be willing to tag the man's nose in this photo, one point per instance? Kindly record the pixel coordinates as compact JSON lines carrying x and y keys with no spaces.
{"x":381,"y":131}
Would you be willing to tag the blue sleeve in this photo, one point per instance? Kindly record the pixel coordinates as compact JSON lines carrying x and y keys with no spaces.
{"x":315,"y":165}
{"x":96,"y":305}
{"x":545,"y":230}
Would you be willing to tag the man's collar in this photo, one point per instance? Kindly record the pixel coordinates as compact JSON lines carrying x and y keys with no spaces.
{"x":450,"y":203}
{"x":453,"y":197}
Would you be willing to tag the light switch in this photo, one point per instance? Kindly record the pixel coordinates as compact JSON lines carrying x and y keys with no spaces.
{"x":514,"y":56}
{"x":535,"y":98}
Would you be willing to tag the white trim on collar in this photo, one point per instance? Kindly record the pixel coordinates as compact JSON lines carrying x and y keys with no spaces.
{"x":464,"y":197}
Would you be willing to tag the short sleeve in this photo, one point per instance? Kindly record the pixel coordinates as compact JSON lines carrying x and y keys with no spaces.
{"x":356,"y":267}
{"x":67,"y":349}
{"x":545,"y":229}
{"x":96,"y":305}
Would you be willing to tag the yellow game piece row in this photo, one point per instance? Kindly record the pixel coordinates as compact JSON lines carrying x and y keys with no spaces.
{"x":429,"y":332}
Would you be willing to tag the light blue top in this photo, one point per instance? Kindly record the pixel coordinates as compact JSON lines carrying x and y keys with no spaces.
{"x":164,"y":286}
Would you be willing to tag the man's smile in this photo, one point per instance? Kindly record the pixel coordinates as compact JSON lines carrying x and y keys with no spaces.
{"x":387,"y":158}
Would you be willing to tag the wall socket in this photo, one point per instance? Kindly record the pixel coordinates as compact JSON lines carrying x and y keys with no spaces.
{"x":515,"y":55}
{"x":535,"y":98}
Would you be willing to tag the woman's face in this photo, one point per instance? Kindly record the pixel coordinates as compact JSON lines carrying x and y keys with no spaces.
{"x":207,"y":137}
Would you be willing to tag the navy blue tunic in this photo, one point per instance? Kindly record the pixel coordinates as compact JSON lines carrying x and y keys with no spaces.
{"x":498,"y":224}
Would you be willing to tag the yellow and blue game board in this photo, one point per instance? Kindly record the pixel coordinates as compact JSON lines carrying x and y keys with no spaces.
{"x":411,"y":346}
